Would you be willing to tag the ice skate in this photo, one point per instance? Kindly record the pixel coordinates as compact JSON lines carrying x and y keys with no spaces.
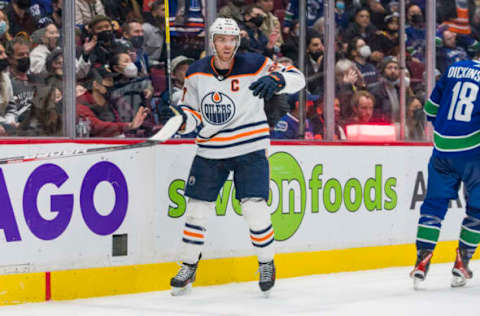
{"x":419,"y":273}
{"x":460,"y":270}
{"x":182,"y":283}
{"x":267,"y":277}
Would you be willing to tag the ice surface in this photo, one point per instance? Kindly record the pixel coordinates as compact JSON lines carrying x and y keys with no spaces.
{"x":383,"y":292}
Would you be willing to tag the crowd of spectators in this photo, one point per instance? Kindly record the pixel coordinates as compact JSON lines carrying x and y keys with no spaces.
{"x":121,"y":61}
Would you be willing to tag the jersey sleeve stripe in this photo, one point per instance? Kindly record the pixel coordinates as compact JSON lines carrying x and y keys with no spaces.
{"x":195,"y":113}
{"x":433,"y":103}
{"x":234,"y":137}
{"x":430,"y":108}
{"x":456,"y":143}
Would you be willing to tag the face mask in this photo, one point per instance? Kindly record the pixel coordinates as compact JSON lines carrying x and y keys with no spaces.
{"x":316,"y":55}
{"x":365,"y":51}
{"x":23,"y":64}
{"x":137,"y":41}
{"x":3,"y":64}
{"x":131,"y":71}
{"x":3,"y":27}
{"x":417,"y":19}
{"x":340,"y":5}
{"x":59,"y":11}
{"x":258,"y":20}
{"x":107,"y":94}
{"x":105,"y":36}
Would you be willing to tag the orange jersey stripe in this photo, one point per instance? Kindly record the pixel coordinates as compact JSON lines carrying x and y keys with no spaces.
{"x":194,"y":113}
{"x":224,"y":139}
{"x":263,"y":238}
{"x":186,"y":232}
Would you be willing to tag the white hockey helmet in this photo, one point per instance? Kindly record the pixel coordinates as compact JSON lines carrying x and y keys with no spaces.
{"x":224,"y":26}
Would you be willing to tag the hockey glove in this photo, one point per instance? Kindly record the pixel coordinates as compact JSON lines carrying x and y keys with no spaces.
{"x":267,"y":85}
{"x":175,"y":123}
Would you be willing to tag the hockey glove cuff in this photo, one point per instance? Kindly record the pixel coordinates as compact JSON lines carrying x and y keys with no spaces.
{"x":267,"y":85}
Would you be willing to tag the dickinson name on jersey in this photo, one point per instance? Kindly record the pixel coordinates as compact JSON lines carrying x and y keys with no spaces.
{"x":231,"y":121}
{"x":454,"y":109}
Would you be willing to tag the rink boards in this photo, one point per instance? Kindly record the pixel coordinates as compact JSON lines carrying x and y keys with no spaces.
{"x":111,"y":223}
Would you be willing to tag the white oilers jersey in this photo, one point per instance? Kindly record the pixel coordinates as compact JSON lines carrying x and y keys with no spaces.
{"x":231,"y":120}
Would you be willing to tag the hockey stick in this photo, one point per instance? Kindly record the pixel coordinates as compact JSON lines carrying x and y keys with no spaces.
{"x":167,"y":131}
{"x":169,"y":53}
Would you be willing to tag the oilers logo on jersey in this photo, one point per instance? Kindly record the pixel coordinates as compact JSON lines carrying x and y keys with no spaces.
{"x":217,"y":108}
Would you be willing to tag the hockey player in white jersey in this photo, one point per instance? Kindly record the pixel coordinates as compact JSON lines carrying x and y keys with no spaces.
{"x":224,"y":97}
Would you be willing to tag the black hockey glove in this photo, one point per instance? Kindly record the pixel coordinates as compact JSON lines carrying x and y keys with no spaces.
{"x":168,"y":112}
{"x":267,"y":85}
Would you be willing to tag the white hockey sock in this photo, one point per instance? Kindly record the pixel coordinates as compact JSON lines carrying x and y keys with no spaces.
{"x":256,"y":214}
{"x":195,"y":229}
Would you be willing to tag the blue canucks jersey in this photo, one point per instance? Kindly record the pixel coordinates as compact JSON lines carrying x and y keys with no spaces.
{"x":454,"y":109}
{"x":288,"y":128}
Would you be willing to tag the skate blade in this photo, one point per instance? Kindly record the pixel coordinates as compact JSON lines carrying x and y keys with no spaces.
{"x":458,"y":281}
{"x":180,"y":291}
{"x":416,"y":283}
{"x":266,"y":294}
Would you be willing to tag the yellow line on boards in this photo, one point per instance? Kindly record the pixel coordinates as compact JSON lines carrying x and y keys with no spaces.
{"x":83,"y":283}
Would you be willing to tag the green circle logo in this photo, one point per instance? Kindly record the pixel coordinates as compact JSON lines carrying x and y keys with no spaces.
{"x":289,"y":194}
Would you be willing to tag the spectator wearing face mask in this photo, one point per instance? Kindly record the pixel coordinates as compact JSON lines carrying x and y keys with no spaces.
{"x":23,"y":83}
{"x":129,"y":91}
{"x":358,"y":51}
{"x":415,"y":33}
{"x":133,"y":32}
{"x":19,"y":17}
{"x":100,"y":45}
{"x":253,"y":39}
{"x":6,"y":92}
{"x":4,"y":29}
{"x":95,"y":107}
{"x":270,"y":24}
{"x":46,"y":40}
{"x":180,"y":66}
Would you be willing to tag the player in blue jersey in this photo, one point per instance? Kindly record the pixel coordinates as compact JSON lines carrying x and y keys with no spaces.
{"x":454,"y":110}
{"x":223,"y":97}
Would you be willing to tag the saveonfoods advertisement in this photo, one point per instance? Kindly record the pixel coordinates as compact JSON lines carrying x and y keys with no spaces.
{"x":65,"y":213}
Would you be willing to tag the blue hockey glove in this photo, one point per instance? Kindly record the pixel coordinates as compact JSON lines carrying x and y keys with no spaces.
{"x":267,"y":85}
